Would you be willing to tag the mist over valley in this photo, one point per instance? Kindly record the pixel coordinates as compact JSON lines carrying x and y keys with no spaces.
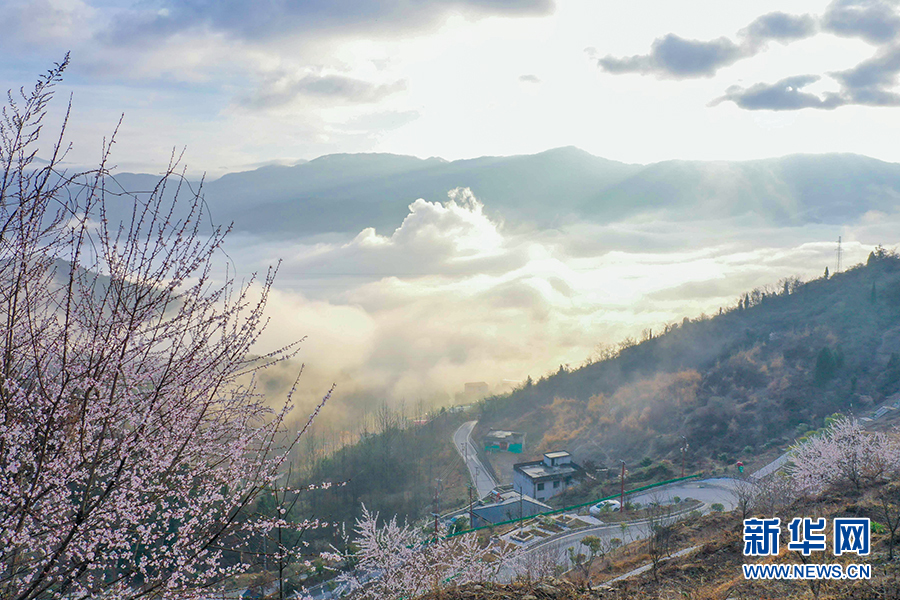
{"x":411,"y":277}
{"x":449,"y":300}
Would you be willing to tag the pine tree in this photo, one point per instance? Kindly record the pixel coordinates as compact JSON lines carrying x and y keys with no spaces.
{"x":826,"y":365}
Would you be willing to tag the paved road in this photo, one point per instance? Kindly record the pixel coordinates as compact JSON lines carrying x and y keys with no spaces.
{"x":708,"y":491}
{"x":555,"y":551}
{"x":649,"y":566}
{"x":462,"y":439}
{"x":770,"y":468}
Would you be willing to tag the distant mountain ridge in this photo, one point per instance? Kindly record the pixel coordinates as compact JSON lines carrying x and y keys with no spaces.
{"x":347,"y":192}
{"x":794,"y":189}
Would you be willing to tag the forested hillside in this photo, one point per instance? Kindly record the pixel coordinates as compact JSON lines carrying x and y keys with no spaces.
{"x":393,"y":470}
{"x":754,"y":376}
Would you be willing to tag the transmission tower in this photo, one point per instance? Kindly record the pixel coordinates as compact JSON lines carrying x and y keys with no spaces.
{"x":840,"y":255}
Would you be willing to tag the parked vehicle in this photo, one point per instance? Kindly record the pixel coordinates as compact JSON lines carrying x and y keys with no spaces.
{"x":606,"y":506}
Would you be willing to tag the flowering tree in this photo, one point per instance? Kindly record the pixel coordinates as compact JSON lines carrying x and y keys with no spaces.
{"x":129,"y":438}
{"x":597,"y":547}
{"x":843,"y":453}
{"x":392,"y":562}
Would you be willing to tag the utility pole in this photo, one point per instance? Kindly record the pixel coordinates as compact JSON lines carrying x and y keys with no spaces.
{"x":521,"y":500}
{"x":466,"y":459}
{"x":520,"y":510}
{"x":622,"y":496}
{"x":684,"y":446}
{"x":471,"y":507}
{"x":436,"y":506}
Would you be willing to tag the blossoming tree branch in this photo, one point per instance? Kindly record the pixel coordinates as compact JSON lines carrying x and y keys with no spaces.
{"x":130,"y":438}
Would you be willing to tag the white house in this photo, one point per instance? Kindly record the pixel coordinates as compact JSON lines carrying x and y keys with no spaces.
{"x":545,"y":478}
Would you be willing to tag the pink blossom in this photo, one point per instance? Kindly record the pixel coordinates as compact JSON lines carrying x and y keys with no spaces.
{"x":843,"y":453}
{"x":129,"y":440}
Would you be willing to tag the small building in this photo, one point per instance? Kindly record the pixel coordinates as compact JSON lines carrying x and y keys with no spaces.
{"x":545,"y":478}
{"x":505,"y":506}
{"x":497,"y":440}
{"x":477,"y":390}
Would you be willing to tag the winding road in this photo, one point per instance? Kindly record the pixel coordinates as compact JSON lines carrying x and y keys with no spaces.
{"x":556,"y":549}
{"x":462,"y":439}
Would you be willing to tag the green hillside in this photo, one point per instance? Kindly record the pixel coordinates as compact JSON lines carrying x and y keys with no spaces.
{"x":393,"y":470}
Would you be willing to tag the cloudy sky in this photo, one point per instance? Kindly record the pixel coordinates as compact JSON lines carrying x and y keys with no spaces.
{"x":451,"y":294}
{"x":247,"y":82}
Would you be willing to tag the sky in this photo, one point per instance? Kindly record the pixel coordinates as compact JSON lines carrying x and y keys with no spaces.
{"x":244,"y":83}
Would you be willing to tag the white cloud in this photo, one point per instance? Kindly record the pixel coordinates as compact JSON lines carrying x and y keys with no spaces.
{"x":451,"y":296}
{"x":455,"y":237}
{"x":46,"y":22}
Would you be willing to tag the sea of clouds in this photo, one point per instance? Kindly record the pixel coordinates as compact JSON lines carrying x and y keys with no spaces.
{"x":452,"y":296}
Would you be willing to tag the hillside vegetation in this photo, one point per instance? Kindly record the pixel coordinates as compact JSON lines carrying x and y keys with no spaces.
{"x":393,"y":470}
{"x":755,"y":376}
